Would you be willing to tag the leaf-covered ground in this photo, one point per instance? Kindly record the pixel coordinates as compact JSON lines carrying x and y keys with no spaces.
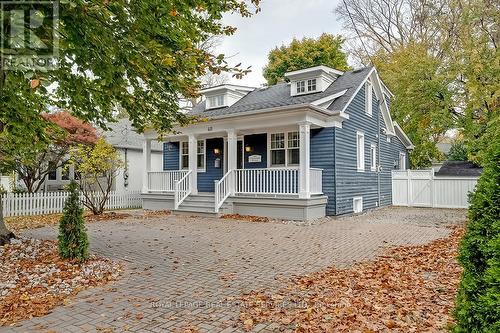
{"x":34,"y":280}
{"x":20,"y":223}
{"x":407,"y":289}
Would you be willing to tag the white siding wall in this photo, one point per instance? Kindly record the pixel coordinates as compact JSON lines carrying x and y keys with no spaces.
{"x":134,"y":158}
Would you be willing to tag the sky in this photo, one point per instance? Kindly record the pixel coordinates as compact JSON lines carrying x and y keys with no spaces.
{"x":278,"y":23}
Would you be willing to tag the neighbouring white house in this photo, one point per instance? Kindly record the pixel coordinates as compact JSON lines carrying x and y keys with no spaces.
{"x":129,"y":145}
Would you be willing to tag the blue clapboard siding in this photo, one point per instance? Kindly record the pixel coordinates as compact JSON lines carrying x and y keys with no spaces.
{"x":389,"y":155}
{"x":349,"y":182}
{"x":171,"y":156}
{"x":258,"y":143}
{"x":322,"y":157}
{"x":206,"y":180}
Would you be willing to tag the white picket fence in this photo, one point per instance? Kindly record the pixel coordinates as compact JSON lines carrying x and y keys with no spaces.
{"x":421,"y":188}
{"x":22,"y":204}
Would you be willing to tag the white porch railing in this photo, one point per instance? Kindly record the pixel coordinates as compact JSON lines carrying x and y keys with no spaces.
{"x":223,"y":189}
{"x":164,"y":181}
{"x":182,"y":189}
{"x":316,"y":179}
{"x":267,"y":181}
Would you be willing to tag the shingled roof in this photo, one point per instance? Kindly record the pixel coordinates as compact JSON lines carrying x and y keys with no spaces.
{"x":279,"y":95}
{"x":459,"y":168}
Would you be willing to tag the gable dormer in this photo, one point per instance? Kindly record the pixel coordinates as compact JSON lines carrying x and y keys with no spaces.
{"x":311,"y":80}
{"x":224,"y":95}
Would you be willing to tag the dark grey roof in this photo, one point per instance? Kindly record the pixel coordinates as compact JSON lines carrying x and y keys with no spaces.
{"x":123,"y":135}
{"x":279,"y":95}
{"x":459,"y":168}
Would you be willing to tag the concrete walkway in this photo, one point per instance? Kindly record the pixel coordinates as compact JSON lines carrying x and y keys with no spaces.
{"x":186,"y":272}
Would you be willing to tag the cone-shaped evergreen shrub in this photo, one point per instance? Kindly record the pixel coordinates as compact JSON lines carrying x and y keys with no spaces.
{"x":478,"y":301}
{"x":73,"y":241}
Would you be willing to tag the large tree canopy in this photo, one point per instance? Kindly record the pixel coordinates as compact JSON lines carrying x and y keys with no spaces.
{"x":307,"y":52}
{"x":451,"y":49}
{"x":139,"y":55}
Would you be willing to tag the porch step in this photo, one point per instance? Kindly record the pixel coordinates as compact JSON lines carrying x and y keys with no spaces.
{"x":202,"y":204}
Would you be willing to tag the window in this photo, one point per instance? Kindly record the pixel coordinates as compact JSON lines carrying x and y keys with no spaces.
{"x":368,"y":98}
{"x":53,"y":171}
{"x":402,"y":161}
{"x":311,"y":85}
{"x":293,"y":148}
{"x":360,"y":151}
{"x":301,"y":87}
{"x":184,"y":155}
{"x":278,"y":150}
{"x":357,"y":204}
{"x":215,"y":101}
{"x":285,"y":149}
{"x":200,"y":154}
{"x":373,"y":157}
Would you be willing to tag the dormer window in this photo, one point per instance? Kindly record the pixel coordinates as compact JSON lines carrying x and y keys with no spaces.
{"x":311,"y":80}
{"x":215,"y":101}
{"x":311,"y":85}
{"x":301,"y":87}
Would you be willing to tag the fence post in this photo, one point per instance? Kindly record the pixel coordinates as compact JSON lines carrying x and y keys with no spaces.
{"x":433,"y":201}
{"x":408,"y":187}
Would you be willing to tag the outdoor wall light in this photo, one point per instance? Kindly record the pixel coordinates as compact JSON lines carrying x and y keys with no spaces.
{"x":248,"y":149}
{"x":217,"y":151}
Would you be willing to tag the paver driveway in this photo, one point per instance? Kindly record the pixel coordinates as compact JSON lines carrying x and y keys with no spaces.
{"x":187,"y":271}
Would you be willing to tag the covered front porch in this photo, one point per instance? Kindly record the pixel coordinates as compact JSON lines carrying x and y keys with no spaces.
{"x":238,"y":164}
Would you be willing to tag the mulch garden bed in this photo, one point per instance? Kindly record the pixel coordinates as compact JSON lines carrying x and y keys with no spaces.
{"x":34,"y":280}
{"x":407,"y":289}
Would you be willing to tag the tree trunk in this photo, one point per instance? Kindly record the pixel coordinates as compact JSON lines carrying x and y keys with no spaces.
{"x":5,"y":234}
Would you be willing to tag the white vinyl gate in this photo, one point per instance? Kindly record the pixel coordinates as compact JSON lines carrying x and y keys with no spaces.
{"x":421,"y":188}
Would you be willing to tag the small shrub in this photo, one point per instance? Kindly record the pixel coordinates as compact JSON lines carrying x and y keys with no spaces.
{"x":478,"y":300}
{"x":73,"y":241}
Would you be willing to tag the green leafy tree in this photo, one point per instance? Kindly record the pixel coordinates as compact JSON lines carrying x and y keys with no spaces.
{"x":422,"y":102}
{"x":96,"y":168}
{"x":137,"y":55}
{"x":73,"y":241}
{"x":478,"y":300}
{"x":307,"y":52}
{"x":458,"y":152}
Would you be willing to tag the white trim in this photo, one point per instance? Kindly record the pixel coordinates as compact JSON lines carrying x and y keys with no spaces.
{"x":315,"y":68}
{"x":403,"y":137}
{"x":360,"y":148}
{"x":330,"y":98}
{"x":368,"y":98}
{"x":373,"y":157}
{"x":354,"y":200}
{"x":204,"y":169}
{"x":382,"y":102}
{"x":286,"y":148}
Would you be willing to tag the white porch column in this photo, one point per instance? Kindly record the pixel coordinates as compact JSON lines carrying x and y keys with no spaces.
{"x":193,"y":162}
{"x":304,"y":165}
{"x":146,"y":160}
{"x":232,"y":155}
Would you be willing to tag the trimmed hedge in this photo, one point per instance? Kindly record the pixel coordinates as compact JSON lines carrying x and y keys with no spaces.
{"x":478,"y":299}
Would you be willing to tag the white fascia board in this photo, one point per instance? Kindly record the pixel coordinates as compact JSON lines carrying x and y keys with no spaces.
{"x":403,"y":137}
{"x":383,"y":103}
{"x":225,"y":87}
{"x":329,"y":99}
{"x":317,"y":69}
